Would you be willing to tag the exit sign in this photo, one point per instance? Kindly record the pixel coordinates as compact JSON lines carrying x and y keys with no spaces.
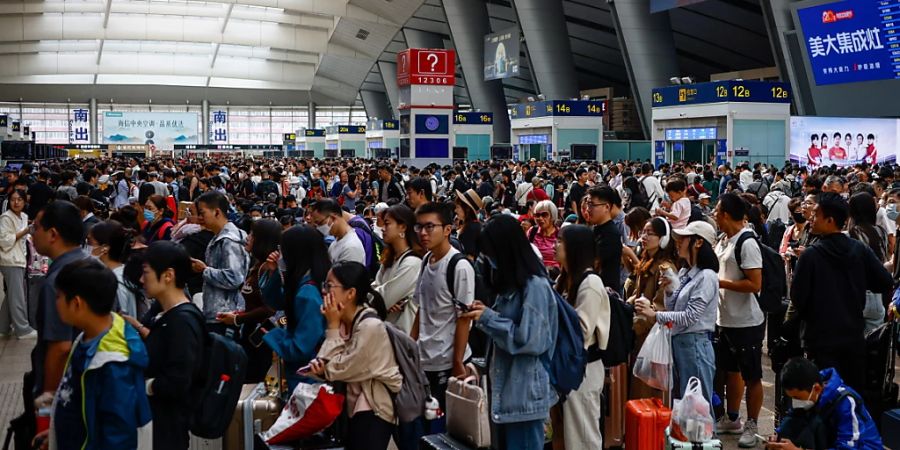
{"x":426,"y":66}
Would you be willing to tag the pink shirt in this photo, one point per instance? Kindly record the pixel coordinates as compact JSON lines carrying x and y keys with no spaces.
{"x":682,"y":209}
{"x":547,"y":247}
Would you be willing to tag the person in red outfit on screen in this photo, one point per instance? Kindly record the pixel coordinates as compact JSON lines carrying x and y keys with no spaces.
{"x":815,"y":153}
{"x":836,"y":152}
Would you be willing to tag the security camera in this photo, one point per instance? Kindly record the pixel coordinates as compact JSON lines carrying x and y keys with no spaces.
{"x":675,"y":80}
{"x":687,"y":80}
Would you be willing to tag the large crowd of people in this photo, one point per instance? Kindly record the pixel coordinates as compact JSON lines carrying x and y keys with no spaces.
{"x":136,"y":260}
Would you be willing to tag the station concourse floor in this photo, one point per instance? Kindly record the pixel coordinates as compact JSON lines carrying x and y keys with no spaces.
{"x":15,"y":361}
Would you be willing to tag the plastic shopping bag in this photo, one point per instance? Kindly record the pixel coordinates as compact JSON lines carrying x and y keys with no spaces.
{"x":654,"y":362}
{"x":691,"y":418}
{"x":311,"y":409}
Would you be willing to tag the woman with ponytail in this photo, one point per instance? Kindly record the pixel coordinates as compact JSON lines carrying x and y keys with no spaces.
{"x":371,"y":373}
{"x":290,"y":281}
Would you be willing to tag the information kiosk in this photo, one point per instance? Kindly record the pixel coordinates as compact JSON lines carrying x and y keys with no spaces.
{"x":383,"y":138}
{"x":473,"y":131}
{"x":310,"y":143}
{"x":345,"y":141}
{"x":425,"y":81}
{"x":722,"y":121}
{"x":547,"y":130}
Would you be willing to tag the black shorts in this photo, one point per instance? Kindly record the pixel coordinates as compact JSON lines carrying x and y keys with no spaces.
{"x":740,"y":350}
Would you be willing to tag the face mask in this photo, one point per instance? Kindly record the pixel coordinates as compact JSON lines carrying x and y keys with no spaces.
{"x":845,"y":195}
{"x":325,"y":229}
{"x":255,"y":218}
{"x":803,"y":404}
{"x":892,"y":212}
{"x":149,"y":216}
{"x":798,"y":217}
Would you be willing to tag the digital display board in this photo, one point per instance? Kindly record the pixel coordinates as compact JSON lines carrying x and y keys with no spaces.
{"x":691,"y":134}
{"x":390,"y":125}
{"x":220,"y":147}
{"x":432,"y":124}
{"x":723,"y":91}
{"x":351,"y":129}
{"x":473,"y":118}
{"x":501,"y":54}
{"x":534,"y":139}
{"x":560,"y":108}
{"x":432,"y":148}
{"x":852,"y":40}
{"x":843,"y":141}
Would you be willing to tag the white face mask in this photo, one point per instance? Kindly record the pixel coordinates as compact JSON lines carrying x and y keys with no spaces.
{"x":803,"y":404}
{"x":325,"y":229}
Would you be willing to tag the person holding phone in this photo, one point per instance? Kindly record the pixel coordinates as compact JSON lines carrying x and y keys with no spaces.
{"x":296,"y":290}
{"x":371,"y":373}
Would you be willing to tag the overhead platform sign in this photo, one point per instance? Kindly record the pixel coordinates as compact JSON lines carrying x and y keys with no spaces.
{"x":852,"y":40}
{"x":426,"y":66}
{"x":723,"y":91}
{"x":555,"y":108}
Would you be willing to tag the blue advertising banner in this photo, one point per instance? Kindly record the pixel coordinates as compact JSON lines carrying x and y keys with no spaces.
{"x":721,"y":152}
{"x":852,"y":40}
{"x":556,"y":108}
{"x":723,"y":91}
{"x":659,"y":154}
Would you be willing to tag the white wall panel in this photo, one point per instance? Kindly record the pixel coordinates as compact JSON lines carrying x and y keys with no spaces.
{"x":81,"y":26}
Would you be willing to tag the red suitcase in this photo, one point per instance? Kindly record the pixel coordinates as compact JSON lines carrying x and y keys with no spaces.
{"x":645,"y":424}
{"x":616,"y":393}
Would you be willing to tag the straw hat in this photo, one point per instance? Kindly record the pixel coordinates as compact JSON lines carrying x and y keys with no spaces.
{"x":471,"y":199}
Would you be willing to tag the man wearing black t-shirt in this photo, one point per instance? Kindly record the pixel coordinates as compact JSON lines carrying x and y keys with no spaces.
{"x":39,"y":194}
{"x":607,"y":235}
{"x":577,"y":191}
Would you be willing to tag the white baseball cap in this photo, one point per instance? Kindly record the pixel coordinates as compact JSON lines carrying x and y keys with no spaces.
{"x":699,"y":228}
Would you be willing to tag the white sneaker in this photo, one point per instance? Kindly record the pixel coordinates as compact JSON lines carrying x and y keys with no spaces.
{"x":30,"y":335}
{"x":748,"y":437}
{"x":728,"y":426}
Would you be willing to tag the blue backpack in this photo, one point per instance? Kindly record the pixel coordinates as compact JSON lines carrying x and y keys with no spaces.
{"x":566,"y":367}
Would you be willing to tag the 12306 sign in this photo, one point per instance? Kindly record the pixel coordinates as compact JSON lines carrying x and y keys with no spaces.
{"x":426,"y":66}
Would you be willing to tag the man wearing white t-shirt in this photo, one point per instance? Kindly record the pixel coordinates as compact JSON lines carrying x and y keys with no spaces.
{"x":655,"y":193}
{"x":741,"y":321}
{"x":443,"y":340}
{"x":330,"y":221}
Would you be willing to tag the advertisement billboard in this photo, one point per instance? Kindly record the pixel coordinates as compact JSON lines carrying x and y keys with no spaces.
{"x":501,"y":54}
{"x":843,"y":141}
{"x":852,"y":40}
{"x":159,"y":129}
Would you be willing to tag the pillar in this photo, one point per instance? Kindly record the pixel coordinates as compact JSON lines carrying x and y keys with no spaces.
{"x":92,"y":120}
{"x":311,"y":115}
{"x":547,"y":43}
{"x":204,"y":121}
{"x":648,"y":47}
{"x":389,"y":77}
{"x":376,"y":104}
{"x":469,"y":22}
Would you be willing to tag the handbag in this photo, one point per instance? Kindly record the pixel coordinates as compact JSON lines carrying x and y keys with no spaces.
{"x":468,"y":415}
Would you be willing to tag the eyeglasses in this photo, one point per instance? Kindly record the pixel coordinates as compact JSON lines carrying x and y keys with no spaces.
{"x":426,"y":227}
{"x":542,"y":214}
{"x":329,"y":286}
{"x":596,"y":205}
{"x":649,"y":234}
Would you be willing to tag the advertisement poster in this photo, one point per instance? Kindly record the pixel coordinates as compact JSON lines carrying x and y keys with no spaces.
{"x":159,"y":129}
{"x":501,"y":54}
{"x":843,"y":141}
{"x":852,"y":40}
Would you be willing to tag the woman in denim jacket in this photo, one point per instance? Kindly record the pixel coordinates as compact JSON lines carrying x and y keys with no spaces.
{"x":522,"y":326}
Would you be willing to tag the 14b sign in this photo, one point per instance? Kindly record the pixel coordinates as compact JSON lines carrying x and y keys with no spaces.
{"x":426,"y":66}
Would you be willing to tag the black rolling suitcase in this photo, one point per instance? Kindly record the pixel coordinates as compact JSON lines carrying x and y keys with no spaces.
{"x":441,"y":442}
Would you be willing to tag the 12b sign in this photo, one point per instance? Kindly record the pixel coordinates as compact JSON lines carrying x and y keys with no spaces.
{"x":426,"y":66}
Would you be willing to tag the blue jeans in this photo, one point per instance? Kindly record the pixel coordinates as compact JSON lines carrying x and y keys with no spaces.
{"x":523,"y":435}
{"x":694,"y":356}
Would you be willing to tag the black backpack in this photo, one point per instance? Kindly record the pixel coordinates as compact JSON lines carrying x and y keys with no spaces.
{"x":774,"y":281}
{"x":621,"y":332}
{"x":481,"y":290}
{"x":373,"y":255}
{"x":224,"y":368}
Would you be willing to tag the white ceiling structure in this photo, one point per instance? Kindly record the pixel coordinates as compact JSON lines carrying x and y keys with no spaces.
{"x":255,"y":50}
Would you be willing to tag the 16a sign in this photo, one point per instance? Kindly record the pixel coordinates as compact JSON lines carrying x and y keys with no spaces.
{"x":426,"y":66}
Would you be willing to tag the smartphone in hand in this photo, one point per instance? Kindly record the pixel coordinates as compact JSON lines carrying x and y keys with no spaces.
{"x":461,"y":306}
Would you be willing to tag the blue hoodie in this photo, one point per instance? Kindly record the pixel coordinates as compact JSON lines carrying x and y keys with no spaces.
{"x":114,"y":407}
{"x":854,"y":428}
